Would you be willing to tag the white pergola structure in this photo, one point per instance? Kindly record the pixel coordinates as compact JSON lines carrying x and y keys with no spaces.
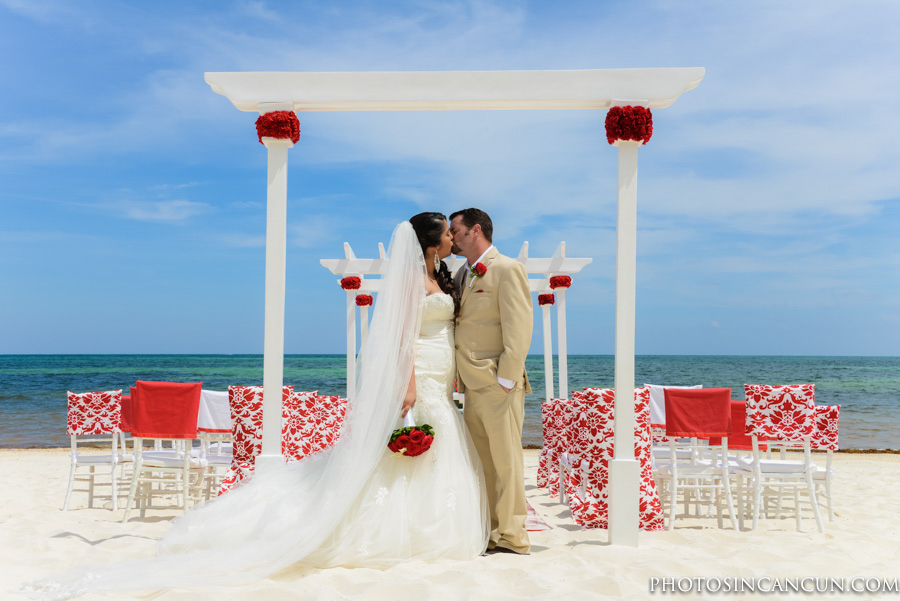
{"x":558,"y":264}
{"x":596,"y":89}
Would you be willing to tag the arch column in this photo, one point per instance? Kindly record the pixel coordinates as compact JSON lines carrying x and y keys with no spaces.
{"x":624,"y":469}
{"x":276,"y":251}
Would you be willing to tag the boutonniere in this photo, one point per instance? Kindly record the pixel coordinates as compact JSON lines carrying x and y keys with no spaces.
{"x":476,"y":271}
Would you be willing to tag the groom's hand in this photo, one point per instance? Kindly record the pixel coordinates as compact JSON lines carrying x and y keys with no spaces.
{"x":505,"y":389}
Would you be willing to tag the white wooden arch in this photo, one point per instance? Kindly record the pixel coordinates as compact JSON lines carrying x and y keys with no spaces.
{"x":558,"y":264}
{"x":593,"y":89}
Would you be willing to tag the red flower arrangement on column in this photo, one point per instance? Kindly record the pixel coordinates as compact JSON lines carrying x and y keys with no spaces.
{"x":560,"y":281}
{"x":363,"y":300}
{"x":546,"y":299}
{"x":351,"y":283}
{"x":278,"y":124}
{"x":629,"y":123}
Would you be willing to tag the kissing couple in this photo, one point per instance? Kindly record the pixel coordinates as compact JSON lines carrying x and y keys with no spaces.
{"x":357,"y":504}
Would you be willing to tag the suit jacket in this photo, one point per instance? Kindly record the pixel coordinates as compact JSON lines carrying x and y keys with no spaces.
{"x":493,"y":330}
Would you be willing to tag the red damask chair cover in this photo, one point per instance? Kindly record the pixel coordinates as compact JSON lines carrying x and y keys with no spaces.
{"x":825,"y":437}
{"x":92,"y":413}
{"x":311,"y":423}
{"x":593,"y":445}
{"x":780,"y":412}
{"x":557,"y":424}
{"x":246,"y":404}
{"x":549,"y":434}
{"x":96,"y":417}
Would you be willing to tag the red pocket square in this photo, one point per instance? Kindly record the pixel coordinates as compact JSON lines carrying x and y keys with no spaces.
{"x":477,"y":291}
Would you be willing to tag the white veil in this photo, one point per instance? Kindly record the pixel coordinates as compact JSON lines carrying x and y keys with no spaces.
{"x":284,"y":514}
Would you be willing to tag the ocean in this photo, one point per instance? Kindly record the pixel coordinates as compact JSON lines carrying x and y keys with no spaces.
{"x":33,"y":387}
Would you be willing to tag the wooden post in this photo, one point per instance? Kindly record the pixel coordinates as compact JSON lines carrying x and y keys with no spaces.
{"x":624,"y":470}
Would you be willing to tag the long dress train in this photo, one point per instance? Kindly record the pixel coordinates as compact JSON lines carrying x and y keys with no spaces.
{"x":354,"y":504}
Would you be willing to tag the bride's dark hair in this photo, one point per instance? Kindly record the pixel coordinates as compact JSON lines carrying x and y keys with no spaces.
{"x":429,"y":228}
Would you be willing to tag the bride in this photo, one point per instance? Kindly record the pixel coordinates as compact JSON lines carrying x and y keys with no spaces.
{"x":356,"y":504}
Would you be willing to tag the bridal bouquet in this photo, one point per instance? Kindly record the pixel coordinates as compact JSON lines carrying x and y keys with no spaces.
{"x":411,"y":440}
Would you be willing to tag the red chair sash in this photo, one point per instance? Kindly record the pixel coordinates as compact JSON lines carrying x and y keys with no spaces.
{"x":165,"y":409}
{"x":700,"y":412}
{"x":125,"y":421}
{"x":738,"y":440}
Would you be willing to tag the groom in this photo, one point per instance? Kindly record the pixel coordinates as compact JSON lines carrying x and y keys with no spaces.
{"x":493,"y":334}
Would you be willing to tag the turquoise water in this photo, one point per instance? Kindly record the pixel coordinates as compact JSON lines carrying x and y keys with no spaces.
{"x":33,"y":387}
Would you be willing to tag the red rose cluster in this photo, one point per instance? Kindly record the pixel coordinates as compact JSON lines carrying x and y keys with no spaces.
{"x":560,"y":281}
{"x":351,"y":283}
{"x":629,"y":123}
{"x":363,"y":300}
{"x":278,"y":124}
{"x":412,"y":440}
{"x":546,"y":299}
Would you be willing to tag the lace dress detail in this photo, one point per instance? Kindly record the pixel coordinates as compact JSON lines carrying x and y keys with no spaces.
{"x":427,"y":507}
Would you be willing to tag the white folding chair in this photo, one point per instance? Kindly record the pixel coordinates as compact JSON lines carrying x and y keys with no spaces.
{"x":783,"y":417}
{"x":214,"y":432}
{"x":693,"y":465}
{"x":165,"y":411}
{"x":95,"y":418}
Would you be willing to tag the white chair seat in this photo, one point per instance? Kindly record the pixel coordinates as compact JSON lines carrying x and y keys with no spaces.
{"x":822,"y":473}
{"x":167,"y":459}
{"x":782,"y":466}
{"x":685,"y":470}
{"x":95,"y":459}
{"x":219,"y":460}
{"x":662,"y":453}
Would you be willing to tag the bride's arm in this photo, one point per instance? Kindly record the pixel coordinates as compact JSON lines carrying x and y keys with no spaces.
{"x":410,"y":399}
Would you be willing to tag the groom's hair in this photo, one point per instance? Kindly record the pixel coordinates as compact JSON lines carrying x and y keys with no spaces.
{"x":472,"y":216}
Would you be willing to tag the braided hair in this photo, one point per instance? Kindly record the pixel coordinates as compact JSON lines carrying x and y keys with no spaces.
{"x":429,"y":228}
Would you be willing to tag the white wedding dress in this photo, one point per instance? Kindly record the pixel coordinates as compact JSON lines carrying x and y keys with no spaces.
{"x":427,"y":507}
{"x":355,"y":504}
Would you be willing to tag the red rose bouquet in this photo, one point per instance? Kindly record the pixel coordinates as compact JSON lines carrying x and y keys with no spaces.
{"x":411,"y":440}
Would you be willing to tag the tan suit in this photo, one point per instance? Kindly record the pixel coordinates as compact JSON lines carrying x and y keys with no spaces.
{"x":493,"y":334}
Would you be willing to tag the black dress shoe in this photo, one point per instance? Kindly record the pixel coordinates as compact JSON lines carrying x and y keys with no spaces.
{"x":498,"y":549}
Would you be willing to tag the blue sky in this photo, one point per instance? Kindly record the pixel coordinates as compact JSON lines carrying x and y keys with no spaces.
{"x":132,"y":198}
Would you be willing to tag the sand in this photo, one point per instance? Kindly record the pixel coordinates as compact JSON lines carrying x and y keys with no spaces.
{"x":566,"y":562}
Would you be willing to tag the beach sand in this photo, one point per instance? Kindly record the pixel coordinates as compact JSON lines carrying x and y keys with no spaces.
{"x":36,"y":538}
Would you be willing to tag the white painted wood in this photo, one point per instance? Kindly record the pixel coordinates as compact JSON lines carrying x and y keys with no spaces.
{"x":596,"y":89}
{"x":562,"y":347}
{"x":351,"y":343}
{"x":363,"y":326}
{"x":548,"y":355}
{"x":624,"y":500}
{"x":623,"y":507}
{"x":273,"y":346}
{"x":561,"y":343}
{"x":558,"y":264}
{"x":551,"y":265}
{"x":467,"y":90}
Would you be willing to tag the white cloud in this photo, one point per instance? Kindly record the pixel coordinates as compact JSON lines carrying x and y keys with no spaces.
{"x":315,"y":230}
{"x":238,"y":240}
{"x":162,"y":210}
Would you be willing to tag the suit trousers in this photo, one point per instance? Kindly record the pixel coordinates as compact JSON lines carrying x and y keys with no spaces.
{"x":494,"y":419}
